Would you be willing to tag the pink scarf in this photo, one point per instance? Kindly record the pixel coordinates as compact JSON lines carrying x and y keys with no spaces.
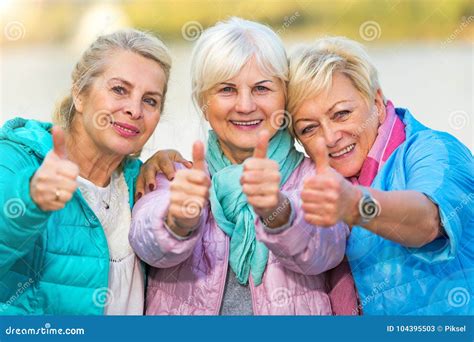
{"x":391,"y":133}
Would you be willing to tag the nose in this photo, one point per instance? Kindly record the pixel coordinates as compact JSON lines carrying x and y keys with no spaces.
{"x":245,"y":103}
{"x":134,"y":109}
{"x":331,"y":136}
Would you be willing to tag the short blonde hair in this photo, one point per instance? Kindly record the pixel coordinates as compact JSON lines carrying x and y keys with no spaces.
{"x":94,"y":61}
{"x":222,"y":50}
{"x":313,"y":66}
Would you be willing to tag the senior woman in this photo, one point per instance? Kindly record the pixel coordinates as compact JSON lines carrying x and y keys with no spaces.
{"x":220,"y":258}
{"x":65,"y":250}
{"x":406,"y":188}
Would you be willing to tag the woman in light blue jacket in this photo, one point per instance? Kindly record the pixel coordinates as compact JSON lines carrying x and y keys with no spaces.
{"x":406,"y":190}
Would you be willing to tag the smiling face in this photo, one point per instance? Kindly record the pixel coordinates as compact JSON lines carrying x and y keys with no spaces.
{"x":345,"y":120}
{"x":122,"y":108}
{"x":238,"y":108}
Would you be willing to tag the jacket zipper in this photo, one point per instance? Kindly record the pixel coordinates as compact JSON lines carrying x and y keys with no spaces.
{"x":226,"y":266}
{"x":252,"y":294}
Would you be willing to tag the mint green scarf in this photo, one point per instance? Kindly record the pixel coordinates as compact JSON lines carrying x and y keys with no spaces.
{"x":230,"y":208}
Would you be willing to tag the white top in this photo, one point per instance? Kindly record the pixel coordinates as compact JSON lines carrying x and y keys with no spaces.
{"x":126,"y":292}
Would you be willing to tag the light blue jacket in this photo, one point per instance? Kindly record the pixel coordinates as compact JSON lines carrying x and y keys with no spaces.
{"x":438,"y":278}
{"x":51,"y":262}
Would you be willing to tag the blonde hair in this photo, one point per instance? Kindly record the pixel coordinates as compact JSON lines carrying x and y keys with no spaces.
{"x":94,"y":61}
{"x":313,"y":66}
{"x":222,"y":50}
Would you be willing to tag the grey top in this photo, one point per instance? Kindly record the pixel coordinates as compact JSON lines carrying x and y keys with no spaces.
{"x":237,"y":298}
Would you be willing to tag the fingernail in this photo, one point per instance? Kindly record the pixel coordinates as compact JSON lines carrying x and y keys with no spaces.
{"x":151,"y":187}
{"x":139,"y":195}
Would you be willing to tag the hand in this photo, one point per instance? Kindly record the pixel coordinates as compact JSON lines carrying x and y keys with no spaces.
{"x":327,"y":196}
{"x":189,"y":194}
{"x":55,"y":182}
{"x":161,"y":161}
{"x":261,"y":184}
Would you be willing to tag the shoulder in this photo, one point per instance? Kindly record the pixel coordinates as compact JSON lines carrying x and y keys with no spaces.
{"x":440,"y":145}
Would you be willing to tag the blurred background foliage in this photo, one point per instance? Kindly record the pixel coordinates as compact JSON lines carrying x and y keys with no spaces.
{"x":55,"y":21}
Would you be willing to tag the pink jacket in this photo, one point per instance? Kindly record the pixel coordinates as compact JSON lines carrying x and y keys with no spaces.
{"x":188,"y":276}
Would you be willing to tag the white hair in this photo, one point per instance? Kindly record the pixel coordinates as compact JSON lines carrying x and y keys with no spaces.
{"x":222,"y":50}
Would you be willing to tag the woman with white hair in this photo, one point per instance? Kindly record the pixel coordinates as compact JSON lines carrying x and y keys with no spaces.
{"x":67,"y":191}
{"x":248,"y":251}
{"x":407,"y":188}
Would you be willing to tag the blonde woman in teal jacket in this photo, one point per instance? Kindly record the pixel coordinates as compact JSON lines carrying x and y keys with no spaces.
{"x":66,"y":193}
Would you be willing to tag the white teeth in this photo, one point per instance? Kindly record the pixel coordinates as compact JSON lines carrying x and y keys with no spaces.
{"x":124,"y":129}
{"x":246,"y":123}
{"x":344,"y":151}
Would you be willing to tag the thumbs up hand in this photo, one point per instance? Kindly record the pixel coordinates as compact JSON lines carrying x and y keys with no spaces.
{"x":55,"y":182}
{"x":189,"y":194}
{"x":327,"y":196}
{"x":261,"y":184}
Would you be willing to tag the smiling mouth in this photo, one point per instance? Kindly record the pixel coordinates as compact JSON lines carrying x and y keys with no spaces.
{"x":125,"y":129}
{"x":246,"y":123}
{"x":343,"y":151}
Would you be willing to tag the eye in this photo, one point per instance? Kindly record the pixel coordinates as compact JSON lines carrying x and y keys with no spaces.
{"x":342,"y":114}
{"x":227,"y":90}
{"x":308,"y":129}
{"x":150,"y":101}
{"x":261,"y":89}
{"x":119,"y":90}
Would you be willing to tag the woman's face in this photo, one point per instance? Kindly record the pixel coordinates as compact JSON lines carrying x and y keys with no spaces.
{"x":121,"y":109}
{"x":344,"y":119}
{"x":238,"y":108}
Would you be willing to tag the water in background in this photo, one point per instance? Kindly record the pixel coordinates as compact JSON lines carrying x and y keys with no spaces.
{"x":434,"y":81}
